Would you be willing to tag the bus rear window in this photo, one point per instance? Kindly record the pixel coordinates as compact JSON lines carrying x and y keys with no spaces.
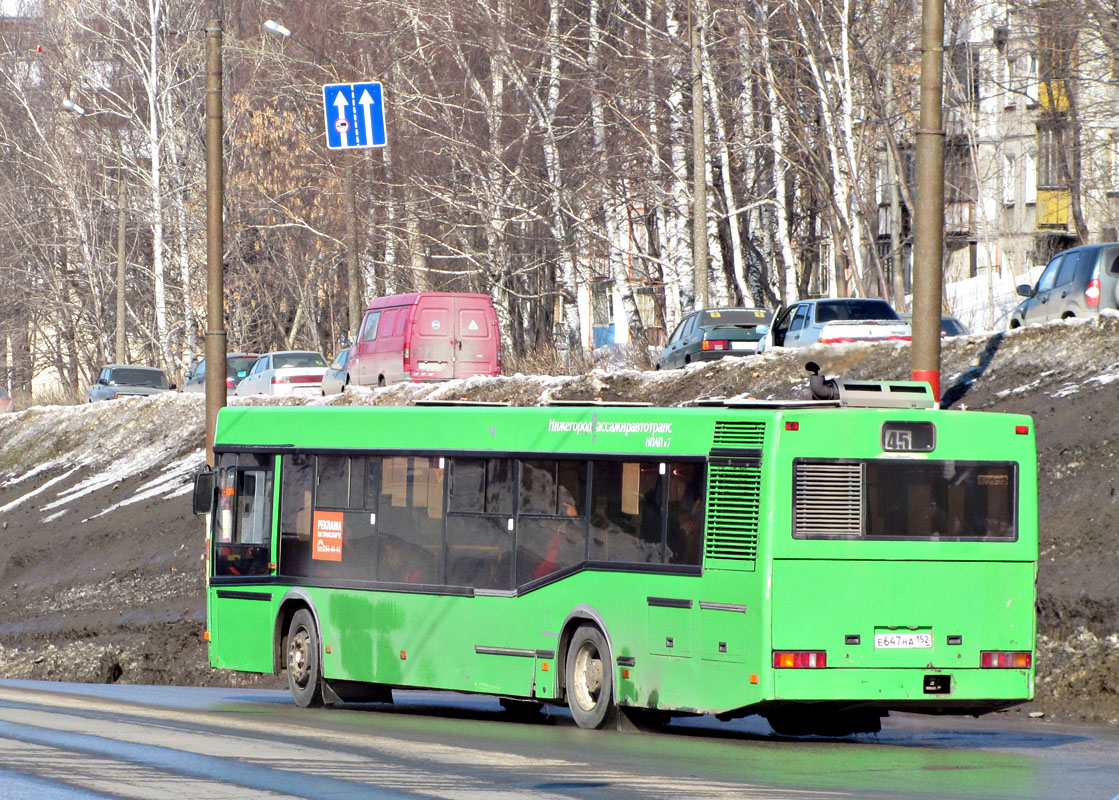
{"x":879,"y":499}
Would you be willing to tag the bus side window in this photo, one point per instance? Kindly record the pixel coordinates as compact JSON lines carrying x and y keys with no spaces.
{"x":686,"y":508}
{"x":296,"y":475}
{"x":410,"y":520}
{"x":551,"y":526}
{"x":479,"y":537}
{"x":242,"y":546}
{"x":340,"y":483}
{"x":626,"y":517}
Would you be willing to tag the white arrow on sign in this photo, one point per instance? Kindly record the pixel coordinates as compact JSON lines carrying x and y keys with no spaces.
{"x":340,"y":103}
{"x":366,"y":101}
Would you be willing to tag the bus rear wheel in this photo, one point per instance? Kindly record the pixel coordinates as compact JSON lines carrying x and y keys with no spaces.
{"x":304,"y":667}
{"x":589,"y":680}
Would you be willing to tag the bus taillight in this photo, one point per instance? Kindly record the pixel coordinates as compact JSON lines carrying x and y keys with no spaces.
{"x":1001,"y":659}
{"x":800,"y":659}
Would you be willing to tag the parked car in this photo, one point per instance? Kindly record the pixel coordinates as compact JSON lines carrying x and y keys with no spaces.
{"x":120,"y":380}
{"x":711,"y":333}
{"x":286,"y":372}
{"x":834,"y":320}
{"x":949,"y":325}
{"x":1075,"y":283}
{"x":237,"y":366}
{"x":336,"y":378}
{"x":6,"y":403}
{"x":426,"y":336}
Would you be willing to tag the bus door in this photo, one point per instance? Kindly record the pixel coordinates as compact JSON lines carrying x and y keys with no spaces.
{"x":241,"y":607}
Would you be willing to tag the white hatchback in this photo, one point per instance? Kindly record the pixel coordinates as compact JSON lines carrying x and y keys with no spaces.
{"x":289,"y":372}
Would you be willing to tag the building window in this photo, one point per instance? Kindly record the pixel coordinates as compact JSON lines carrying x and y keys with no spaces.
{"x":1049,"y":172}
{"x":1113,"y":162}
{"x":1029,"y":178}
{"x":1009,"y":188}
{"x":1030,"y":88}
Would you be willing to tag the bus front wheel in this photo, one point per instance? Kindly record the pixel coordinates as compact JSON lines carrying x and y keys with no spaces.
{"x":589,"y":678}
{"x":304,"y":667}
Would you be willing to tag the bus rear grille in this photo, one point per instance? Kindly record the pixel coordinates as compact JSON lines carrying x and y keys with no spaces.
{"x":739,"y":435}
{"x":733,"y":498}
{"x":828,"y":500}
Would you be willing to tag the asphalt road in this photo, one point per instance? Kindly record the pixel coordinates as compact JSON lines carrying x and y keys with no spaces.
{"x":85,"y":741}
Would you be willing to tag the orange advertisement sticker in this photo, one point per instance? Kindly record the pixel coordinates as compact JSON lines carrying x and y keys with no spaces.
{"x":327,"y":544}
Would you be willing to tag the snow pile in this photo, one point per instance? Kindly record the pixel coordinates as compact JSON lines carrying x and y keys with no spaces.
{"x":101,"y":445}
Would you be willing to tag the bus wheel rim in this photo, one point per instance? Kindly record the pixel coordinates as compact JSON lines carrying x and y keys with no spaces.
{"x":297,"y":657}
{"x":588,"y":676}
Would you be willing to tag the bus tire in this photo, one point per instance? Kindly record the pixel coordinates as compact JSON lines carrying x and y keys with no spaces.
{"x":303,"y":664}
{"x":589,"y":679}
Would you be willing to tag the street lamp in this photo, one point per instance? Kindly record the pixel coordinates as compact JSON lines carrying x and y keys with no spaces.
{"x":122,"y":219}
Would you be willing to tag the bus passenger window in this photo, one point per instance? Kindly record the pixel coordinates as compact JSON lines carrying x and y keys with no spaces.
{"x":686,"y":508}
{"x":410,"y":520}
{"x":551,"y":525}
{"x":332,"y":479}
{"x":296,"y":475}
{"x":479,"y":537}
{"x":625,"y":514}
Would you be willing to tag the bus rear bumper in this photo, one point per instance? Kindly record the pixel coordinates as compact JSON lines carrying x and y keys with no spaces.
{"x":960,"y":691}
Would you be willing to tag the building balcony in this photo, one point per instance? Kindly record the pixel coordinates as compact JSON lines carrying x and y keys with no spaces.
{"x":1052,"y":209}
{"x":1052,"y":95}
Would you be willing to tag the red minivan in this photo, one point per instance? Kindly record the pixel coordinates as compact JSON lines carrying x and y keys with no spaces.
{"x":426,"y":336}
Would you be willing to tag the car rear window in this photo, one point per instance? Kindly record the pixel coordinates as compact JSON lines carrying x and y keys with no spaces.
{"x":151,"y":378}
{"x":733,"y":316}
{"x":854,"y":309}
{"x":281,"y":360}
{"x":238,"y":366}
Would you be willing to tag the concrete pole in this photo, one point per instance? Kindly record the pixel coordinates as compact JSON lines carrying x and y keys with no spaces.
{"x":699,"y":168}
{"x":120,"y":355}
{"x":928,"y":229}
{"x":215,"y":237}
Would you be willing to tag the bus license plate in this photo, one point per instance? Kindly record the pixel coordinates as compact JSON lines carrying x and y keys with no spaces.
{"x":902,"y":641}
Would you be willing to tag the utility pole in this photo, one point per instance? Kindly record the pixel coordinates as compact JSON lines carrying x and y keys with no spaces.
{"x":928,"y":230}
{"x":215,"y":238}
{"x":699,"y":166}
{"x":119,"y":353}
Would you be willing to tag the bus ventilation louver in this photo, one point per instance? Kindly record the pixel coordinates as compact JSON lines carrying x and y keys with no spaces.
{"x":733,"y":499}
{"x":829,"y":500}
{"x":739,"y":435}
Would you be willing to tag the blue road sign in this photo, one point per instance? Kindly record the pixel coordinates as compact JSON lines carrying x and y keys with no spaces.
{"x":355,"y":115}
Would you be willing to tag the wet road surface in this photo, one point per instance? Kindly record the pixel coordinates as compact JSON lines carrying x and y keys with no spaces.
{"x":85,"y":742}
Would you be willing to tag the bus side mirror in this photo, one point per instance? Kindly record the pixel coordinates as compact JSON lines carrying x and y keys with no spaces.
{"x":204,"y":485}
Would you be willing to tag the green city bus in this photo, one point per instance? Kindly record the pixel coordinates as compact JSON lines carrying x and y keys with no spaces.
{"x":819,"y":563}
